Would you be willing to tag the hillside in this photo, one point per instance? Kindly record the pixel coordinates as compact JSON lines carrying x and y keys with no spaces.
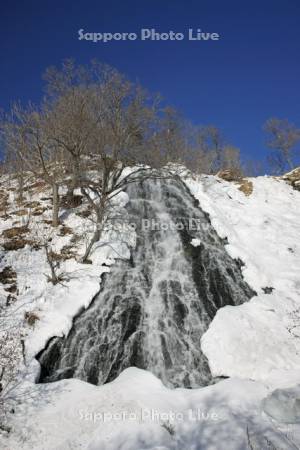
{"x":255,"y":344}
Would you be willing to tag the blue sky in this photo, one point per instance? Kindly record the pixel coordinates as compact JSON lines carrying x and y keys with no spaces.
{"x":236,"y":83}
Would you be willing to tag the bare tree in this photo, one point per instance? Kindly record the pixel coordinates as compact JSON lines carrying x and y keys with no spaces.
{"x":25,"y":134}
{"x":231,"y":159}
{"x":209,"y":152}
{"x":94,"y":109}
{"x":12,"y":162}
{"x":123,"y":118}
{"x":282,"y":138}
{"x":253,"y":168}
{"x":211,"y":140}
{"x":15,"y":166}
{"x":170,"y":142}
{"x":11,"y":353}
{"x":69,"y":129}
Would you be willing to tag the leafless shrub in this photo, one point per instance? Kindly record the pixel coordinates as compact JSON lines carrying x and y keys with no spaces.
{"x":282,"y":138}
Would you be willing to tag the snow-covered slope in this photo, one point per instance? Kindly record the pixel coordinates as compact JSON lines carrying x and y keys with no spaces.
{"x":257,"y":343}
{"x":52,"y":307}
{"x":263,"y":230}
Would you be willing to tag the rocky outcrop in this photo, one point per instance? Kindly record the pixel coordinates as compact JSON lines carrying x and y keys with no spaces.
{"x":293,"y":178}
{"x":233,"y":175}
{"x":229,"y":175}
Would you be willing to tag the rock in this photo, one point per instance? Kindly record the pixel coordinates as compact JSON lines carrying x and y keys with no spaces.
{"x":31,"y":317}
{"x":293,"y":178}
{"x":268,"y":289}
{"x":245,"y":185}
{"x":229,"y":175}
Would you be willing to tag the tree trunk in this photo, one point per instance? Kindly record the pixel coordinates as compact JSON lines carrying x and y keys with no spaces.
{"x":55,"y":208}
{"x":98,"y":232}
{"x":96,"y":237}
{"x":74,"y":182}
{"x":54,"y":278}
{"x":20,"y":187}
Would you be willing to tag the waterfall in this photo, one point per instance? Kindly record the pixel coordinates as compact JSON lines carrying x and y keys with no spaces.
{"x":153,"y":309}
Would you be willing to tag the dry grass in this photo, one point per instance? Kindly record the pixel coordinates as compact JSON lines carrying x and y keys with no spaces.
{"x":8,"y":275}
{"x":229,"y":175}
{"x":246,"y":186}
{"x":15,"y":232}
{"x":38,"y":186}
{"x":64,"y":230}
{"x":20,"y":212}
{"x":84,"y":213}
{"x":73,"y":202}
{"x":39,"y":211}
{"x":15,"y":240}
{"x":32,"y":205}
{"x":17,"y":244}
{"x":68,"y":252}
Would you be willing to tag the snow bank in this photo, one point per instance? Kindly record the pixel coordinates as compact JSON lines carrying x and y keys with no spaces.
{"x":136,"y":412}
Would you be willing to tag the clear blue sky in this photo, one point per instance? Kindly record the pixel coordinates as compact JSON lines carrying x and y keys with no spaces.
{"x":251,"y":74}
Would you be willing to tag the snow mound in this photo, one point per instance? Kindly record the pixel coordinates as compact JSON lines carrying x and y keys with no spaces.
{"x":137,"y":412}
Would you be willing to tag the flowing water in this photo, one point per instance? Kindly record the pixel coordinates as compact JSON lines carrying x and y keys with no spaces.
{"x":153,"y":309}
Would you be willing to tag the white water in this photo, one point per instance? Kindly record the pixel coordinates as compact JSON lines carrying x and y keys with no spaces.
{"x":153,"y":310}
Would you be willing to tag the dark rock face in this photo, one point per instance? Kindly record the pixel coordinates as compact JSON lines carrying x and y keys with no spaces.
{"x":153,"y":309}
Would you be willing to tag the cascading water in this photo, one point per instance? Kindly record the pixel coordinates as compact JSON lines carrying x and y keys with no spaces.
{"x":153,"y":309}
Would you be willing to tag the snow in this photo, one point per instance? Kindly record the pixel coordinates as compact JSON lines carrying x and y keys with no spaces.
{"x":256,"y":344}
{"x":195,"y":242}
{"x":254,"y":339}
{"x":261,"y":336}
{"x":262,"y":229}
{"x":54,"y":305}
{"x":284,"y":405}
{"x":137,"y":412}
